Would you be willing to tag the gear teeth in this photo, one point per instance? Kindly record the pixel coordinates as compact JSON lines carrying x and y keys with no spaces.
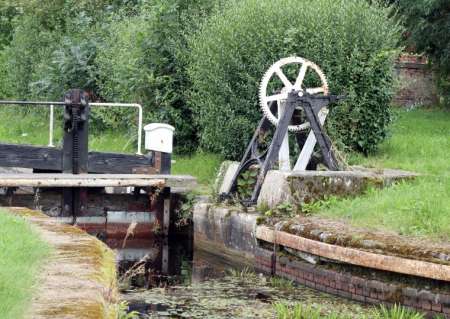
{"x":265,"y":81}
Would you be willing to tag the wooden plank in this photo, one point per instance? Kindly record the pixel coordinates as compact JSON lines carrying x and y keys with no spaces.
{"x":116,"y":163}
{"x":30,"y":156}
{"x":355,"y":256}
{"x":96,"y":180}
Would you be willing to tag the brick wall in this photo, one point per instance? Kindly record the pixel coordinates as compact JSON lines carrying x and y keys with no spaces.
{"x":354,"y":287}
{"x":416,"y":85}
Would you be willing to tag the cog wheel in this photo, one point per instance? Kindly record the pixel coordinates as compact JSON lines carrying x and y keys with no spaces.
{"x":265,"y":97}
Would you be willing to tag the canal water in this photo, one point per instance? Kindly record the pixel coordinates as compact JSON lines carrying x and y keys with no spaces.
{"x":171,"y":279}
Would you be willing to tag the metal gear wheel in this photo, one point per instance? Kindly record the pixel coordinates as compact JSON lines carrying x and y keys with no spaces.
{"x":276,"y":70}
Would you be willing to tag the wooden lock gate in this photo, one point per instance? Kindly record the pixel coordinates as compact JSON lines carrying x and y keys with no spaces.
{"x":70,"y":183}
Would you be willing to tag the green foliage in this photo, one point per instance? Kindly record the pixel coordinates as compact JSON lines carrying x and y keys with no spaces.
{"x":246,"y":183}
{"x":53,"y":47}
{"x":185,"y":210}
{"x":397,"y":312}
{"x":143,"y":61}
{"x":317,"y":205}
{"x":282,"y":210}
{"x":299,"y":311}
{"x":281,"y":283}
{"x":123,"y":313}
{"x":353,"y":42}
{"x":245,"y":273}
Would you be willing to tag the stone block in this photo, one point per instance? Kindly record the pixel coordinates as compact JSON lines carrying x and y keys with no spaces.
{"x":299,"y":187}
{"x":225,"y":176}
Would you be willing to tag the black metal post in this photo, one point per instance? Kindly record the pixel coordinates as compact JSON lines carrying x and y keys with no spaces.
{"x":75,"y":149}
{"x":275,"y":146}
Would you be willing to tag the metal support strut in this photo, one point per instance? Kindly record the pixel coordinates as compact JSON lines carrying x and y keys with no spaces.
{"x":311,"y":105}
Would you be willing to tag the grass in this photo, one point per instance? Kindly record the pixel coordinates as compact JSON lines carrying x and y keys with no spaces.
{"x":21,"y":253}
{"x":204,"y":166}
{"x":420,"y":142}
{"x":298,"y":311}
{"x":28,"y":127}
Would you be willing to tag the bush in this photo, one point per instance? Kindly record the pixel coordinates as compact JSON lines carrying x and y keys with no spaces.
{"x":52,"y":47}
{"x":354,"y":42}
{"x":142,"y":61}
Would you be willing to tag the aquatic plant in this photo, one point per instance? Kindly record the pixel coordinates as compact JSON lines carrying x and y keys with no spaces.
{"x":281,"y":283}
{"x":122,"y":311}
{"x":396,"y":312}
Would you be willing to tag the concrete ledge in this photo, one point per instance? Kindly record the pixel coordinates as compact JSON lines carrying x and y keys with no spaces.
{"x":307,"y":186}
{"x":224,"y":229}
{"x":79,"y":280}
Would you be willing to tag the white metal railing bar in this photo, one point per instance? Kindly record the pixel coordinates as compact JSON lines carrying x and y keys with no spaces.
{"x":50,"y":127}
{"x":134,"y":105}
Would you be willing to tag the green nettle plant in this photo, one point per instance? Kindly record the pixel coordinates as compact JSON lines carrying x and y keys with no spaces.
{"x":246,"y":182}
{"x":354,"y":42}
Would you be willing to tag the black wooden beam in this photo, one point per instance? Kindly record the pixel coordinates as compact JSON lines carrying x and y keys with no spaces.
{"x":50,"y":159}
{"x":28,"y":156}
{"x":115,"y":163}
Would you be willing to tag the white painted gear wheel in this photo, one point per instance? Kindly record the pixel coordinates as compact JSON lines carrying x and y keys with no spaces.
{"x":276,"y":70}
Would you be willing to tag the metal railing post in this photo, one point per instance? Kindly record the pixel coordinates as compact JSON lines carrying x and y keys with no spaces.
{"x":50,"y":137}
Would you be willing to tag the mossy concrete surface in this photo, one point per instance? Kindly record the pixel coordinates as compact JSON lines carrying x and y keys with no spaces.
{"x":79,"y":279}
{"x":300,"y":187}
{"x":224,"y":230}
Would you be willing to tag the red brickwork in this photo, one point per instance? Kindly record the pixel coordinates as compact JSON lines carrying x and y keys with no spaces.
{"x":416,"y":85}
{"x":354,"y":287}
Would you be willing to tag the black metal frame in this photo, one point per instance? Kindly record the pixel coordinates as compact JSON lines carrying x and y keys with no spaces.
{"x":311,"y":105}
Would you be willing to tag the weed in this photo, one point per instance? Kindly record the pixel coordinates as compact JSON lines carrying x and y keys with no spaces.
{"x":318,"y":205}
{"x":244,"y":273}
{"x":122,"y":311}
{"x":246,"y":183}
{"x":396,"y":312}
{"x":298,"y":311}
{"x":285,"y":209}
{"x":281,"y":283}
{"x":185,"y":210}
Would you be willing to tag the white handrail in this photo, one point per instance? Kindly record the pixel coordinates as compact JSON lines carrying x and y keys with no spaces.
{"x":139,"y":107}
{"x":135,"y":105}
{"x":50,"y":127}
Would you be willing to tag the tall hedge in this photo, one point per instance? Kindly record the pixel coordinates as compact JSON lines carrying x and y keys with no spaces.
{"x":143,"y":60}
{"x":354,"y":42}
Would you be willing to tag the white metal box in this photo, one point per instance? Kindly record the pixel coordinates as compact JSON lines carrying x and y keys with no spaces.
{"x":159,"y":137}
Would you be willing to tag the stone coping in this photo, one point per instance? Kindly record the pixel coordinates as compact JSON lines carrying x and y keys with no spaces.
{"x":79,"y":279}
{"x":300,"y":187}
